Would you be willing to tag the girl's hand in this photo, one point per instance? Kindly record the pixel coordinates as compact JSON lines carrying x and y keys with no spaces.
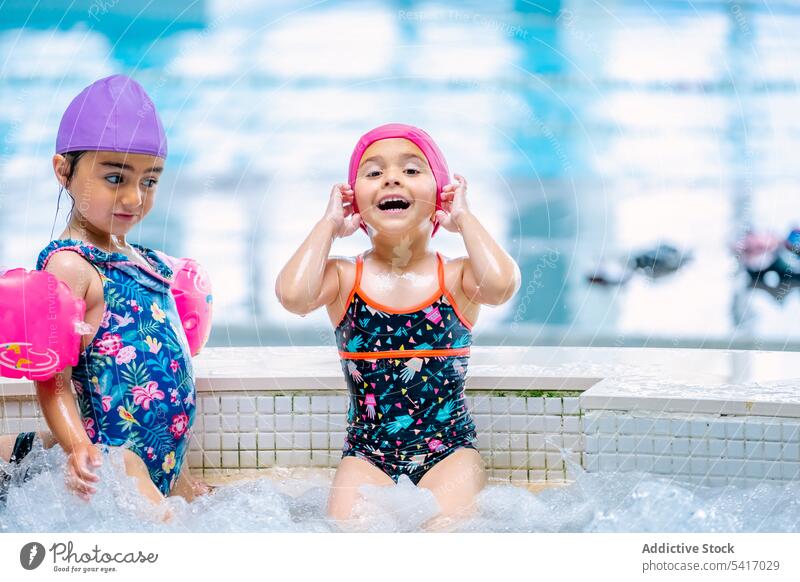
{"x":454,"y":205}
{"x":340,"y":211}
{"x":197,"y":486}
{"x":80,"y":475}
{"x":202,"y":488}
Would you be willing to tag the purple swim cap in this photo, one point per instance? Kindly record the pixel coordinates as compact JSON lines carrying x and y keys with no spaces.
{"x":112,"y":114}
{"x":419,"y":138}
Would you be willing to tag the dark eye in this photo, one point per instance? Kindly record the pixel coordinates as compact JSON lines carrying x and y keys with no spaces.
{"x":373,"y":174}
{"x":412,"y":171}
{"x":114,"y":179}
{"x":150,"y":182}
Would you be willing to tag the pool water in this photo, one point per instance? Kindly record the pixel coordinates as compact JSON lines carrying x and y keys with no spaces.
{"x":294,"y":501}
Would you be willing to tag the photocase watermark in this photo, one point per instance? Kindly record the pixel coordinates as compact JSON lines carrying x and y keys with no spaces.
{"x":546,"y":261}
{"x":76,"y":223}
{"x":569,"y":21}
{"x":67,"y":559}
{"x":101,"y":8}
{"x":739,"y":17}
{"x":31,"y":555}
{"x":401,"y":255}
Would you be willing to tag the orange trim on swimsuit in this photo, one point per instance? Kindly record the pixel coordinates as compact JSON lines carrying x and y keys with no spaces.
{"x":446,"y":293}
{"x":387,"y":309}
{"x":442,"y":290}
{"x":404,"y":354}
{"x":359,"y":265}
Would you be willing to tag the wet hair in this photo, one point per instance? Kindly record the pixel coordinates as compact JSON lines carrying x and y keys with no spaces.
{"x":72,"y":159}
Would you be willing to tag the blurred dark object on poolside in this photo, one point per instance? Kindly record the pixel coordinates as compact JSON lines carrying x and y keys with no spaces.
{"x":654,"y":262}
{"x":662,"y":260}
{"x":610,"y":272}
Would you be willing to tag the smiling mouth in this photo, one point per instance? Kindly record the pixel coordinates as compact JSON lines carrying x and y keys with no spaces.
{"x":393,"y":204}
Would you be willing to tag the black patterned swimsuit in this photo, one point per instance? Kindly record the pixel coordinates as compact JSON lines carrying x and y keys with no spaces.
{"x":405,"y":371}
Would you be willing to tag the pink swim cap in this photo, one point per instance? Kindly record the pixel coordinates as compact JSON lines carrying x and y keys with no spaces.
{"x":416,"y":136}
{"x":113,"y":114}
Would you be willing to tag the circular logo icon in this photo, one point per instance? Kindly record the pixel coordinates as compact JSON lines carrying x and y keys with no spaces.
{"x":31,"y":555}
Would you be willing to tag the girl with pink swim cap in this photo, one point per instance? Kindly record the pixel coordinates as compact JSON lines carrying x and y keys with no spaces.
{"x":403,"y":317}
{"x":134,"y":382}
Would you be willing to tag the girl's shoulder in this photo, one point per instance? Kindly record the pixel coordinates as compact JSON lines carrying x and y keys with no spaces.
{"x":72,"y":262}
{"x":453,"y":267}
{"x":345,"y":269}
{"x":80,"y":253}
{"x":99,"y":258}
{"x":452,"y":284}
{"x":452,"y":272}
{"x":338,"y":284}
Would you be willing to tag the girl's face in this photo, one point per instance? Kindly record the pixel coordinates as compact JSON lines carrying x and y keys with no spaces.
{"x":395,"y":188}
{"x":112,"y":191}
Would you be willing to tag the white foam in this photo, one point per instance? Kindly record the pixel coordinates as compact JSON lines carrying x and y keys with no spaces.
{"x":403,"y":508}
{"x":615,"y":502}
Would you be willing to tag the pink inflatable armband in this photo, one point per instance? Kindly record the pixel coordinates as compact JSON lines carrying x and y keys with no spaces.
{"x":40,"y":325}
{"x":191,"y":289}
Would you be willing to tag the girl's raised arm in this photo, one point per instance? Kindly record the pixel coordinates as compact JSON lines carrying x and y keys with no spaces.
{"x":310,"y":279}
{"x":490,"y":275}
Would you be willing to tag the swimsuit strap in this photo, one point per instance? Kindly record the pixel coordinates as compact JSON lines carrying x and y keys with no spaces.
{"x":440,"y":292}
{"x":84,"y":251}
{"x":440,"y":269}
{"x":356,"y":286}
{"x":359,"y":270}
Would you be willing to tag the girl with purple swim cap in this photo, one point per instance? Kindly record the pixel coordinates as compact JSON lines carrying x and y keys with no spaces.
{"x":134,"y":380}
{"x":403,"y":317}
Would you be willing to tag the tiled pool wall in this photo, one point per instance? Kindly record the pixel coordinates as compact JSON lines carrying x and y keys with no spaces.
{"x":701,"y":448}
{"x":519,"y":436}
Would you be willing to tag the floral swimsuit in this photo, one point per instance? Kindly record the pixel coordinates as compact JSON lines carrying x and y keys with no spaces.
{"x":134,"y":381}
{"x":405,"y":371}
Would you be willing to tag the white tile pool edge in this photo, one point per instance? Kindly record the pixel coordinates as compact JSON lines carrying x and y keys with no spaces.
{"x":257,"y":410}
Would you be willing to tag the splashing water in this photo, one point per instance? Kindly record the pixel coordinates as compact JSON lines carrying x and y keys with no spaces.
{"x":637,"y":502}
{"x":612,"y":502}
